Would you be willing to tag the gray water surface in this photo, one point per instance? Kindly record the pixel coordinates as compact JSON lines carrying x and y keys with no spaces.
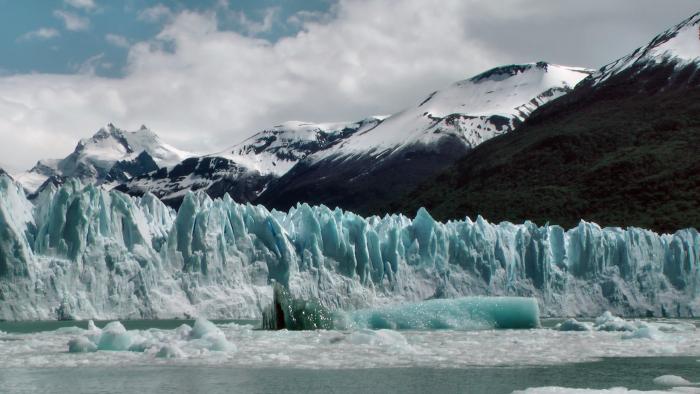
{"x":633,"y":373}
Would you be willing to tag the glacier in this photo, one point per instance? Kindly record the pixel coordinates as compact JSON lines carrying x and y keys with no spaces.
{"x":82,"y":252}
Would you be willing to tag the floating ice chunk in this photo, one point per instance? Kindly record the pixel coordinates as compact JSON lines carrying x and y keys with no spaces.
{"x":644,"y":332}
{"x":573,"y":325}
{"x":468,"y":313}
{"x":81,"y":345}
{"x":114,"y":337}
{"x":388,"y":338}
{"x":183,"y":331}
{"x":672,"y":380}
{"x":92,"y":326}
{"x":608,"y":322}
{"x":169,"y":351}
{"x":203,"y":327}
{"x":209,"y":336}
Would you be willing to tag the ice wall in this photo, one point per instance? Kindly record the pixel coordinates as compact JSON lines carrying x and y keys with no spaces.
{"x":83,"y":252}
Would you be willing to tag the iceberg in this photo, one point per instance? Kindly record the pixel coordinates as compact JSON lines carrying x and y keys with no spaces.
{"x":82,"y":252}
{"x":465,"y":313}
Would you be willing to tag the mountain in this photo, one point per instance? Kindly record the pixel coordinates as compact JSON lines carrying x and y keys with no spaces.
{"x":621,"y":149}
{"x":367,"y":169}
{"x":245,"y":169}
{"x":111,"y":155}
{"x":82,"y":252}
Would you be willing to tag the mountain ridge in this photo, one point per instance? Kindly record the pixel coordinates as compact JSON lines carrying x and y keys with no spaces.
{"x":619,"y":150}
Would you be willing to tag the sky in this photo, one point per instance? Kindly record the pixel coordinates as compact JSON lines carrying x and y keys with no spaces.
{"x":206,"y":74}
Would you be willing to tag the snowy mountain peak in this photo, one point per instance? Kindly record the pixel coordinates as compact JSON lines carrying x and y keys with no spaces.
{"x":94,"y":158}
{"x":504,"y":72}
{"x":472,"y":110}
{"x":679,"y":45}
{"x":276,"y":150}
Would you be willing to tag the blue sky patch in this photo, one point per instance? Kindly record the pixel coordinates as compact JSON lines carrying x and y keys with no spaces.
{"x":70,"y":36}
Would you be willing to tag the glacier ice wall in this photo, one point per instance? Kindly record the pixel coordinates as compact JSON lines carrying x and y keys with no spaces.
{"x":83,"y":252}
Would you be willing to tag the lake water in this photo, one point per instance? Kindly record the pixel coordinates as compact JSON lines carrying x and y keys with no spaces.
{"x":34,"y":359}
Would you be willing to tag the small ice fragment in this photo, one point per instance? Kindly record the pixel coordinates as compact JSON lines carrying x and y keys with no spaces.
{"x":202,"y":327}
{"x":573,"y":325}
{"x":169,"y":351}
{"x":377,"y":338}
{"x":81,"y":345}
{"x":608,"y":322}
{"x":114,"y":337}
{"x":210,"y":336}
{"x":645,"y":332}
{"x":672,"y":381}
{"x":92,"y":326}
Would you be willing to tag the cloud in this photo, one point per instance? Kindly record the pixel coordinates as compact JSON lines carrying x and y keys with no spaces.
{"x":84,"y":4}
{"x":252,"y":27}
{"x":72,"y":21}
{"x":155,"y":14}
{"x":117,"y":40}
{"x":89,"y":66}
{"x":43,"y":33}
{"x":203,"y":89}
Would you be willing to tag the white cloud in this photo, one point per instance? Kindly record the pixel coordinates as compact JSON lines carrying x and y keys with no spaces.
{"x":117,"y":40}
{"x":204,"y":89}
{"x":89,"y":66}
{"x":43,"y":33}
{"x":207,"y":89}
{"x":84,"y":4}
{"x":72,"y":21}
{"x":155,"y":14}
{"x":252,"y":27}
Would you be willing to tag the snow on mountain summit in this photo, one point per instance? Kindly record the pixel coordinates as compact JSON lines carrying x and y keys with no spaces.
{"x":679,"y":45}
{"x":473,"y":110}
{"x":277,"y":149}
{"x":111,"y":144}
{"x":94,"y":159}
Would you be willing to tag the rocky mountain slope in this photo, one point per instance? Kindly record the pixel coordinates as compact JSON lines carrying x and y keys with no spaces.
{"x":621,"y":149}
{"x":245,"y":169}
{"x":368,"y":168}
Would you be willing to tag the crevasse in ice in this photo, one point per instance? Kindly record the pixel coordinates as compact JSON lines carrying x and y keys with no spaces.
{"x":83,"y":252}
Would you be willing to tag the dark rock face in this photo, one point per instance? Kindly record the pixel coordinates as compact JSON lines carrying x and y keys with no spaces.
{"x":363,"y":183}
{"x":214,"y":175}
{"x":124,"y":170}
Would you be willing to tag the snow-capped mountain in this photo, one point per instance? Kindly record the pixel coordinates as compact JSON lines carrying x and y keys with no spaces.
{"x":678,"y":47}
{"x":473,"y":110}
{"x":244,"y":170}
{"x":367,"y":168}
{"x":435,"y":132}
{"x":620,"y":149}
{"x":111,"y":155}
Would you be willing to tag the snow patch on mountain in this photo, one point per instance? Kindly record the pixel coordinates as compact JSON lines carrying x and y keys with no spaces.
{"x":276,"y":150}
{"x":93,"y":158}
{"x":474,"y":110}
{"x":245,"y":169}
{"x":679,"y":45}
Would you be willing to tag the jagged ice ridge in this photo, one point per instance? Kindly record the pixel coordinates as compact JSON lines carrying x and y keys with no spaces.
{"x":84,"y":252}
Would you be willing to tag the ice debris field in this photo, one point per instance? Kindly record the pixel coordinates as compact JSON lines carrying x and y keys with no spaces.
{"x":81,"y":252}
{"x":241,"y":345}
